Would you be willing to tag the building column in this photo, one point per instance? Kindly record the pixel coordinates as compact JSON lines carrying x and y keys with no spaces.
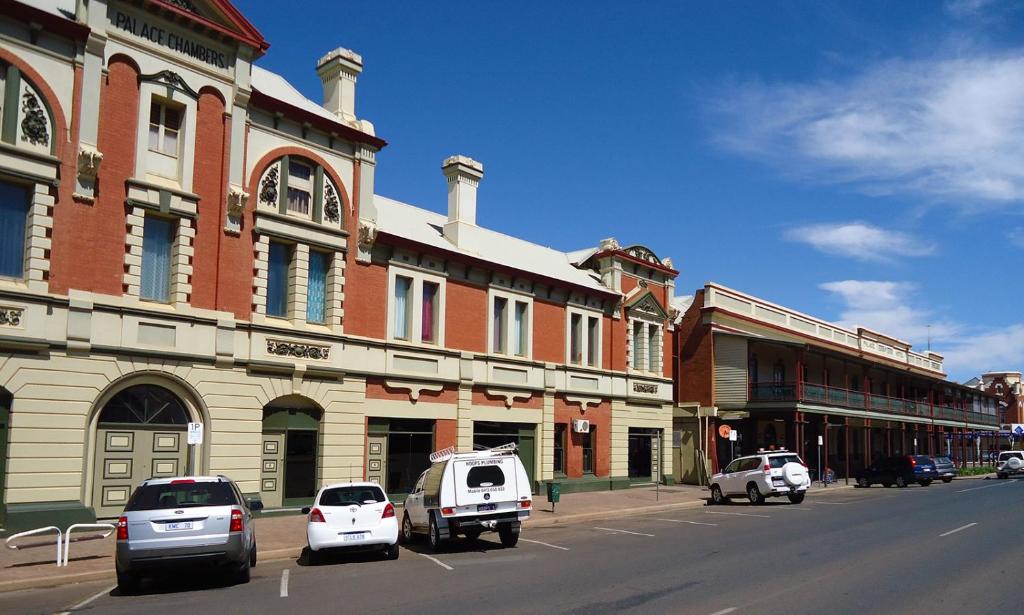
{"x":824,"y":453}
{"x":546,"y":430}
{"x":846,"y":439}
{"x":464,"y":427}
{"x":867,"y":444}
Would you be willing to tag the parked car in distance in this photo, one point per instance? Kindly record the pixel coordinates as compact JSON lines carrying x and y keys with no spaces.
{"x":348,"y":516}
{"x":1009,"y":462}
{"x":900,"y":470}
{"x":944,"y":468}
{"x":181,"y":522}
{"x":766,"y":474}
{"x":469,"y":493}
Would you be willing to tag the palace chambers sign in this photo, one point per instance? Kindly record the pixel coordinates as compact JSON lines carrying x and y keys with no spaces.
{"x":170,"y":38}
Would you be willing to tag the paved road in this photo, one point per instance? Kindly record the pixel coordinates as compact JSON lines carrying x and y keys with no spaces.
{"x":940,"y":549}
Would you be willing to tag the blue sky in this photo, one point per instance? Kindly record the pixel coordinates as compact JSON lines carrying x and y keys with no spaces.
{"x":859,"y":161}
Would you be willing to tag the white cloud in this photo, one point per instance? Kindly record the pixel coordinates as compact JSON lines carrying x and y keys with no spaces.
{"x":1016,"y":236}
{"x":859,"y":240}
{"x":991,"y":351}
{"x":964,"y":8}
{"x":947,"y":129}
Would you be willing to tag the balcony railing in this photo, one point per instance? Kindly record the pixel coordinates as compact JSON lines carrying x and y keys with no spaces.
{"x":846,"y":398}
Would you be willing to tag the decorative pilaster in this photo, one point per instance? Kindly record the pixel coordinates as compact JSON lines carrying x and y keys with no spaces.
{"x":261,"y":252}
{"x":298,"y":282}
{"x":37,"y":246}
{"x":181,"y":262}
{"x":132,"y":279}
{"x":336,"y":292}
{"x":464,"y":427}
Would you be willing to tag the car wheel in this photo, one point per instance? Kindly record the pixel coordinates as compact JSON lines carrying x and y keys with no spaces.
{"x":127,"y":583}
{"x":947,"y":480}
{"x":508,"y":537}
{"x":313,"y":558}
{"x":924,"y":483}
{"x":391,"y":551}
{"x":252,"y":555}
{"x":796,"y":498}
{"x":407,"y":534}
{"x":887,"y":485}
{"x":901,"y":482}
{"x":1000,"y":476}
{"x":472,"y":534}
{"x":434,"y":534}
{"x":754,"y":494}
{"x":244,"y":573}
{"x":717,"y":497}
{"x":863,"y":482}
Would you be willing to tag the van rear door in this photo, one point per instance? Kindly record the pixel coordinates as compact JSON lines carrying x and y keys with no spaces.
{"x":485,"y":481}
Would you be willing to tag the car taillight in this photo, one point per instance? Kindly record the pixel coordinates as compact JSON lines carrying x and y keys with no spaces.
{"x":122,"y":528}
{"x":525,"y":503}
{"x":236,"y":520}
{"x":767,"y":468}
{"x":389,"y":511}
{"x":447,"y":511}
{"x":913,"y":462}
{"x":182,"y":481}
{"x":315,"y":516}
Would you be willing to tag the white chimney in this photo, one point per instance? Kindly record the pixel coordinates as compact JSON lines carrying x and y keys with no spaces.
{"x":464,"y":175}
{"x":338,"y":71}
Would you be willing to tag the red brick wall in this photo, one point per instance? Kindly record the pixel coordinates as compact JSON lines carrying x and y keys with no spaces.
{"x":548,"y":332}
{"x":615,"y":344}
{"x":87,"y":251}
{"x":445,"y":433}
{"x":208,"y":183}
{"x":600,"y":418}
{"x":366,"y":296}
{"x":465,"y":317}
{"x":694,"y":346}
{"x":376,"y":389}
{"x":482,"y":398}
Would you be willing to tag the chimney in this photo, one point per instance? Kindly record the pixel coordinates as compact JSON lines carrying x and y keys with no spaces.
{"x":338,"y":71}
{"x":464,"y":175}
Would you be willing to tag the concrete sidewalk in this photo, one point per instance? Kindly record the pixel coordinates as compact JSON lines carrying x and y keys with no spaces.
{"x":285,"y":537}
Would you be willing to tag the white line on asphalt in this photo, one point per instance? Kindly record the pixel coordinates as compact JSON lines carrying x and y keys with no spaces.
{"x":537,"y":542}
{"x":284,"y":583}
{"x":985,"y":487}
{"x":609,"y":529}
{"x":963,"y":527}
{"x":685,"y":521}
{"x":793,"y":507}
{"x":816,"y":502}
{"x":88,"y":600}
{"x":718,"y":512}
{"x":724,"y":611}
{"x":437,"y":561}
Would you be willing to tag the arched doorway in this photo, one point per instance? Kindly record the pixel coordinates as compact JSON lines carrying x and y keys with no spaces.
{"x":291,"y":449}
{"x":140,"y":434}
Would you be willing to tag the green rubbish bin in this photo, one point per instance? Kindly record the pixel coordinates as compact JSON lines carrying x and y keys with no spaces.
{"x":554,"y":493}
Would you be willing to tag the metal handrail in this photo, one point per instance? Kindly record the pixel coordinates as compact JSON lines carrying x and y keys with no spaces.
{"x":38,"y":530}
{"x":77,"y":526}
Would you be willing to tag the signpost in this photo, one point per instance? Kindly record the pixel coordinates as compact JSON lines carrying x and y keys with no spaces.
{"x":821,"y":471}
{"x":732,"y":442}
{"x":195,"y":438}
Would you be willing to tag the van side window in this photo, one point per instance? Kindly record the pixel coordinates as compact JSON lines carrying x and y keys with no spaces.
{"x":432,"y":483}
{"x":419,"y":483}
{"x":485,"y":476}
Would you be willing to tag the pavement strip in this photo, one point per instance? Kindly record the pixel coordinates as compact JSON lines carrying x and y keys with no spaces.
{"x":735,"y":514}
{"x":685,"y":521}
{"x":89,"y":600}
{"x":962,"y":527}
{"x":611,"y":529}
{"x":436,"y":561}
{"x":984,"y":487}
{"x":724,"y":611}
{"x":284,"y":583}
{"x":537,"y":542}
{"x":816,"y":502}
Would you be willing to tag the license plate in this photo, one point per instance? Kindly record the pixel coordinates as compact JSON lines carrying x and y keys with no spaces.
{"x":354,"y":537}
{"x":486,"y":507}
{"x":178,"y":525}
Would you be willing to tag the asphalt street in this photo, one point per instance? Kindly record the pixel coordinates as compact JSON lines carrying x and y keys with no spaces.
{"x":941,"y":549}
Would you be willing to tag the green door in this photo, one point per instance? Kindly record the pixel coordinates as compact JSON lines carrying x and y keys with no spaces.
{"x":291,"y":453}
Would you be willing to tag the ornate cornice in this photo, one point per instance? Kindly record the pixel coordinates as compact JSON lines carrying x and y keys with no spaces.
{"x":298,"y":350}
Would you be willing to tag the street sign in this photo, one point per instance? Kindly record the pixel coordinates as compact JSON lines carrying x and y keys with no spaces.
{"x":195,"y":433}
{"x":724,"y":431}
{"x":821,"y":440}
{"x":732,"y":435}
{"x":1018,"y":429}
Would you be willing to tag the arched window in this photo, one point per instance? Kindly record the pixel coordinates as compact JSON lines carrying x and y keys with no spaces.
{"x":299,"y":187}
{"x":144,"y":404}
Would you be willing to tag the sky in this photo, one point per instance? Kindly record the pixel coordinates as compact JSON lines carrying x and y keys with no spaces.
{"x":862,"y":162}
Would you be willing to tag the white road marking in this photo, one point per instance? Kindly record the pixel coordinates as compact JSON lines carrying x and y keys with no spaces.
{"x":284,"y":583}
{"x":685,"y":521}
{"x":537,"y":542}
{"x":437,"y":561}
{"x":1001,"y":484}
{"x":962,"y":527}
{"x":793,"y":507}
{"x":816,"y":502}
{"x":609,"y":529}
{"x":724,"y":611}
{"x":88,"y":600}
{"x":735,"y":514}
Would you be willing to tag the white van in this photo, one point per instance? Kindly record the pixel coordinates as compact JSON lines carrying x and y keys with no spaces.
{"x":469,"y":493}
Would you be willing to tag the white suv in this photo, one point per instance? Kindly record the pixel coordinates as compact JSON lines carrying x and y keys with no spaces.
{"x":766,"y":474}
{"x":1009,"y":462}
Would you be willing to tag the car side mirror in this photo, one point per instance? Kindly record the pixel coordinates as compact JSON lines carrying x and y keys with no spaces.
{"x":305,"y":510}
{"x":255,"y":505}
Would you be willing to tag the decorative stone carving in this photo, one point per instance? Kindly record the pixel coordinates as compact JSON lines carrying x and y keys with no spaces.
{"x":643,"y":253}
{"x":367,"y":232}
{"x":172,"y":79}
{"x":34,"y":127}
{"x":331,"y":210}
{"x":89,"y":159}
{"x":667,"y":262}
{"x":298,"y":350}
{"x":268,"y":188}
{"x":184,"y":4}
{"x":609,"y":244}
{"x":415,"y":389}
{"x":10,"y":317}
{"x":237,"y":200}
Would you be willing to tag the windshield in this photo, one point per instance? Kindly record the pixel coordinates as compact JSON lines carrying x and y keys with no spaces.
{"x":347,"y":496}
{"x":1005,"y":456}
{"x":181,"y":495}
{"x":943,"y":460}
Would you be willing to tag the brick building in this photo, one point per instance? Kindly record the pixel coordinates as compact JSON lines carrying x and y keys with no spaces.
{"x":187,"y":238}
{"x":1008,"y":387}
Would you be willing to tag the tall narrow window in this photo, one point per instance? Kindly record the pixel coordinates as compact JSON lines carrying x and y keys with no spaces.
{"x":559,"y":448}
{"x":164,"y":127}
{"x":157,"y":238}
{"x":280,"y":260}
{"x":575,"y":339}
{"x":316,"y":297}
{"x":593,"y":345}
{"x":498,"y":324}
{"x":587,"y":442}
{"x":429,"y":315}
{"x":13,"y":224}
{"x":652,"y":347}
{"x":403,"y":307}
{"x":638,"y":345}
{"x":521,"y":329}
{"x":300,"y":187}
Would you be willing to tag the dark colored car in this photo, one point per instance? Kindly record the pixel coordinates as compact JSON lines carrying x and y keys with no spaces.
{"x":899,"y":471}
{"x":945,"y":468}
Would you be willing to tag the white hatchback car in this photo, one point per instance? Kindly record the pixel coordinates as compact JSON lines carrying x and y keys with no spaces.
{"x":766,"y":474}
{"x":351,"y":516}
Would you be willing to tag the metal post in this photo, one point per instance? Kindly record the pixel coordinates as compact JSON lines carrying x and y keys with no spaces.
{"x":846,"y":438}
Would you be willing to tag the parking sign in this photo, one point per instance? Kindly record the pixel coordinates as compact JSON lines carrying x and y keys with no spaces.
{"x":195,"y":433}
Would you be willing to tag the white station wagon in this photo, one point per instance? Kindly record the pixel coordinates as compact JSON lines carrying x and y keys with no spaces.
{"x":351,"y":516}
